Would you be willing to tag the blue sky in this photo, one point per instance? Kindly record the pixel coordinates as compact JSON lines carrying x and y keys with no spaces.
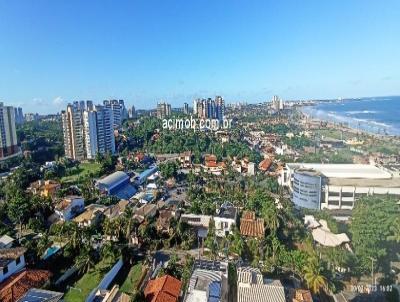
{"x":53,"y":52}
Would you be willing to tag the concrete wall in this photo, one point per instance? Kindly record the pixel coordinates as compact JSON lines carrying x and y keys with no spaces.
{"x":106,"y":281}
{"x":13,"y":268}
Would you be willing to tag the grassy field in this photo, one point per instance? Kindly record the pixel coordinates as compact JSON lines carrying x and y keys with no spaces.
{"x":82,"y":288}
{"x":131,"y":282}
{"x":83,"y":170}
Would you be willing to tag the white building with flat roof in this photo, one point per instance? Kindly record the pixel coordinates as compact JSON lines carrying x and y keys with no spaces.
{"x":336,"y":186}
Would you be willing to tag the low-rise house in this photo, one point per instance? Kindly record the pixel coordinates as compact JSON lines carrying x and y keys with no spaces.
{"x":208,"y":283}
{"x":46,"y":188}
{"x":116,"y":184}
{"x":164,"y":289}
{"x":265,"y":164}
{"x":41,"y":295}
{"x":199,"y":222}
{"x":145,"y":212}
{"x":244,"y":166}
{"x":142,"y":178}
{"x":251,"y":226}
{"x":15,"y":287}
{"x":253,"y":287}
{"x":225,"y":219}
{"x":92,"y":215}
{"x":163,"y":220}
{"x":117,"y":209}
{"x":69,"y":207}
{"x":12,"y":261}
{"x":185,"y":159}
{"x":211,"y":165}
{"x":6,"y":242}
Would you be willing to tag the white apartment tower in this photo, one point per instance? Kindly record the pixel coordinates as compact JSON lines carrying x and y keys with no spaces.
{"x":118,"y":110}
{"x":90,"y":130}
{"x":87,"y":132}
{"x":8,"y":134}
{"x":105,"y":130}
{"x":73,"y":128}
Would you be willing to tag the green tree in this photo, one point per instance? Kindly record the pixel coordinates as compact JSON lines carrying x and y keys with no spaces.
{"x":314,"y":277}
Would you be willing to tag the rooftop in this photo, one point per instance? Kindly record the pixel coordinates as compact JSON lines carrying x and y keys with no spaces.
{"x":66,"y":201}
{"x":41,"y":295}
{"x":360,"y":171}
{"x":227,"y":211}
{"x":89,"y":213}
{"x":113,"y":179}
{"x":10,"y":254}
{"x":252,"y":287}
{"x":16,"y":286}
{"x":5,"y":240}
{"x":115,"y":210}
{"x":164,"y":289}
{"x":206,"y":282}
{"x":251,"y":226}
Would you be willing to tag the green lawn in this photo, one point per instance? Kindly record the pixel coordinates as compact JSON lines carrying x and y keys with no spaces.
{"x":83,"y":170}
{"x":131,"y":282}
{"x":82,"y":288}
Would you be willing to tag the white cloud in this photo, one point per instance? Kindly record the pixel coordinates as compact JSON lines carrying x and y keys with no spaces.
{"x":38,"y":102}
{"x":58,"y":101}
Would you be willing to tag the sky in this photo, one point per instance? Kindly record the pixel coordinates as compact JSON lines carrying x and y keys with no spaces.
{"x":54,"y":52}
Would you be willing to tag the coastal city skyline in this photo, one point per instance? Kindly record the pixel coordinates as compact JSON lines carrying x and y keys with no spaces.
{"x":151,"y":52}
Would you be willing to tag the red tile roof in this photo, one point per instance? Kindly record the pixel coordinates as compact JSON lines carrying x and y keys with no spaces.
{"x":250,"y":226}
{"x":17,"y":285}
{"x":164,"y":289}
{"x":265,"y":164}
{"x":249,"y":215}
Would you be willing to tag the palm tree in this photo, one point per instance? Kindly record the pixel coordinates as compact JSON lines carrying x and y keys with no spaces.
{"x":129,"y":223}
{"x":108,"y":251}
{"x":85,"y":261}
{"x":395,"y":229}
{"x":314,"y":277}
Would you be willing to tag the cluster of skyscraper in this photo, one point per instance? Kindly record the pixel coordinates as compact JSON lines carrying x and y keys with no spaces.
{"x":277,"y":103}
{"x":163,"y":110}
{"x":209,"y":108}
{"x":89,"y":129}
{"x":8,"y":133}
{"x":19,"y":116}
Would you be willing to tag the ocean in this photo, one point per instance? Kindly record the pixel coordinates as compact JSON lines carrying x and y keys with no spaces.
{"x":379,"y":115}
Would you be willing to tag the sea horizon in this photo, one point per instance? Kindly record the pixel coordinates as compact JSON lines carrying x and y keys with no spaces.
{"x":377,"y":115}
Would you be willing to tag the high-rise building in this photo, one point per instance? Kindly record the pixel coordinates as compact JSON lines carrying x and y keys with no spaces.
{"x":89,"y":105}
{"x":219,"y":108}
{"x":105,"y":130}
{"x":132,"y":112}
{"x":30,"y":117}
{"x":87,"y":132}
{"x":186,"y":108}
{"x":209,"y":108}
{"x":8,"y":133}
{"x":196,"y":103}
{"x":19,"y":116}
{"x":90,"y":131}
{"x":277,"y":103}
{"x":72,"y":121}
{"x":163,"y":110}
{"x":119,"y":111}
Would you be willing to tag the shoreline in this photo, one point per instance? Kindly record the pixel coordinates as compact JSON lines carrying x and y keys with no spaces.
{"x":344,"y":125}
{"x":340,"y":126}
